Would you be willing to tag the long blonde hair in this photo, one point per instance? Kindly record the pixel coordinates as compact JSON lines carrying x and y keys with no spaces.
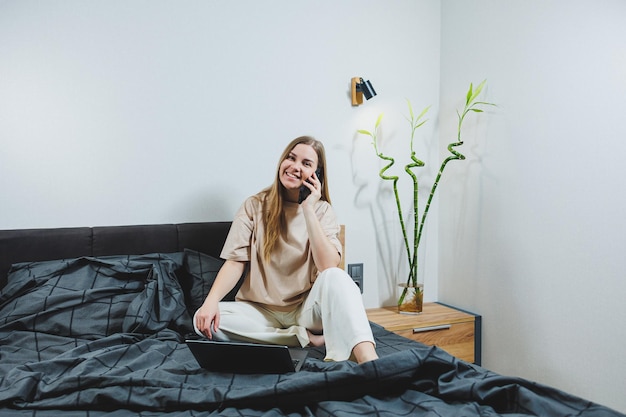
{"x":273,"y":196}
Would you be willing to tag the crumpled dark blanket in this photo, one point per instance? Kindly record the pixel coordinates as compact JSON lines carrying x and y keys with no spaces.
{"x":105,"y":337}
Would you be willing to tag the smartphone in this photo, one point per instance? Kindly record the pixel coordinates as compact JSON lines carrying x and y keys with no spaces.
{"x":304,"y":190}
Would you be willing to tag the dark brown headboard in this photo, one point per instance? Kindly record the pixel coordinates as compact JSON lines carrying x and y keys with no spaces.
{"x":63,"y":243}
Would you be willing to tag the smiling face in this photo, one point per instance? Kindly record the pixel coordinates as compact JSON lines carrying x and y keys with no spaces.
{"x":300,"y":163}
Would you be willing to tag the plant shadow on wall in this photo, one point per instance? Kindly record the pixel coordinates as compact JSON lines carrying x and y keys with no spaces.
{"x":411,"y":295}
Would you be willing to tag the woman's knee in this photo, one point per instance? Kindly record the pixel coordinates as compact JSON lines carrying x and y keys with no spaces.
{"x":336,"y":278}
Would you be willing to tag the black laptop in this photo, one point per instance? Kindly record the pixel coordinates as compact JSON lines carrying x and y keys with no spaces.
{"x":246,"y":358}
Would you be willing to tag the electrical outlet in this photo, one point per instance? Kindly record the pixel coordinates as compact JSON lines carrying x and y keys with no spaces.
{"x":356,"y":272}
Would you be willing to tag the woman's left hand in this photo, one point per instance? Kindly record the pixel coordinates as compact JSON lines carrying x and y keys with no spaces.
{"x":313,"y":183}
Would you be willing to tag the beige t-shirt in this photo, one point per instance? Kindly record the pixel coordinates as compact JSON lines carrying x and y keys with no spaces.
{"x":283,"y":282}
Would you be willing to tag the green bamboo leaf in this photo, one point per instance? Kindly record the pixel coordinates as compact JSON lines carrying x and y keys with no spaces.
{"x":476,"y":110}
{"x":469,"y":94}
{"x":410,"y":108}
{"x":478,"y":90}
{"x":379,"y":119}
{"x":364,"y":132}
{"x":423,"y":112}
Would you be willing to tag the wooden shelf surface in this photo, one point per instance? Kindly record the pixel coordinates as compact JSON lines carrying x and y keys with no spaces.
{"x":433,"y":314}
{"x":455,"y":331}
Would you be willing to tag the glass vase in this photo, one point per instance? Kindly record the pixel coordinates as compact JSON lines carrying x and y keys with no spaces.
{"x":411,"y":298}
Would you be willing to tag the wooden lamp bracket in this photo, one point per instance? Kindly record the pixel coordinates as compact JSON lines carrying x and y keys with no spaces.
{"x":357,"y":95}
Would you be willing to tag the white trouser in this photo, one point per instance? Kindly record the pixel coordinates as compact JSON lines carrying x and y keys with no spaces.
{"x":333,"y":305}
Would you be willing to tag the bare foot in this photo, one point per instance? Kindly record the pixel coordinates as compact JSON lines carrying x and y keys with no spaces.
{"x":316,"y":339}
{"x":364,"y":352}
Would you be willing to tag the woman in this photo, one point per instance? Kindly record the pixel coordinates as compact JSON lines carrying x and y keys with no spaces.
{"x":293,"y":293}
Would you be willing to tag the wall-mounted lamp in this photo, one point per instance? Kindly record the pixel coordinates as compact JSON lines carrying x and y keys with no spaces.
{"x":361,"y":88}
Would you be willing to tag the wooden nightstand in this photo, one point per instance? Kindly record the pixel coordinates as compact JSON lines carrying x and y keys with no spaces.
{"x":456,"y":331}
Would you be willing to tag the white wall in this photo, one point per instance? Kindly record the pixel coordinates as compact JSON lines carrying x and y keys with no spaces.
{"x":142,"y":112}
{"x":532,"y":231}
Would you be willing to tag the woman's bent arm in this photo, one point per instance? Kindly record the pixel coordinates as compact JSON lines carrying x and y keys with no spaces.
{"x":325,"y":254}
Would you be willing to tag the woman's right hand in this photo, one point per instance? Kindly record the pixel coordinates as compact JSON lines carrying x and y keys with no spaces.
{"x":208,"y":318}
{"x":208,"y":315}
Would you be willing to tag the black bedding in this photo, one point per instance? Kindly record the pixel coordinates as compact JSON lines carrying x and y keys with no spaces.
{"x":104,"y":336}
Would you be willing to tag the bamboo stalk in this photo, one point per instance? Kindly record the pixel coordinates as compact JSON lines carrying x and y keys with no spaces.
{"x":471,"y":105}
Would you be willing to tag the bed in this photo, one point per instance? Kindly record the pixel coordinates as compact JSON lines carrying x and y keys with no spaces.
{"x":93,"y":321}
